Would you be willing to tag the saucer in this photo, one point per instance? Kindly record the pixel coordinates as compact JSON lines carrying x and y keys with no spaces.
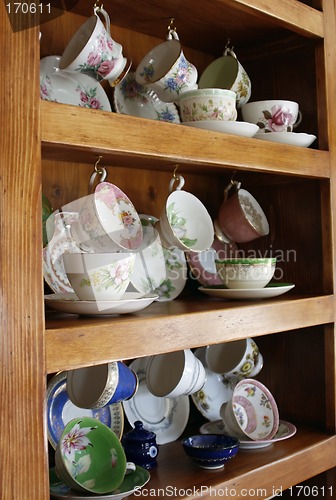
{"x":60,"y":410}
{"x":167,"y":417}
{"x":292,"y":138}
{"x":70,"y":88}
{"x":244,"y":129}
{"x":269,"y":291}
{"x":69,"y":303}
{"x":133,"y":481}
{"x":132,"y":98}
{"x":202,"y":264}
{"x":285,"y":431}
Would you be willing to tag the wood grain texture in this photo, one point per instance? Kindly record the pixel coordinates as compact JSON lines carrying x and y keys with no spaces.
{"x":86,"y":134}
{"x":175,"y":325}
{"x":23,"y":458}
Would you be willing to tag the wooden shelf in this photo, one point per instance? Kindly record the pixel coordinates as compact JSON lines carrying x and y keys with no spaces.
{"x":179,"y":324}
{"x":72,"y":133}
{"x":279,"y":466}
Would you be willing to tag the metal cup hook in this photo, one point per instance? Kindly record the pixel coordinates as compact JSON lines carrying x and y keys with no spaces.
{"x":176,"y":178}
{"x":101,"y":171}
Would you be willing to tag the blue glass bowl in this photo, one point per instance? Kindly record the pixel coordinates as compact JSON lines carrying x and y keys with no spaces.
{"x":210,"y":451}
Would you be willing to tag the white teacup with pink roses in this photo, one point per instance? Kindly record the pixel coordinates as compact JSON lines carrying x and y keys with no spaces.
{"x":92,"y":51}
{"x":274,"y":115}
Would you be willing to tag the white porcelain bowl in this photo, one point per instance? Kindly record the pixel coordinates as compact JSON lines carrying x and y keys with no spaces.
{"x":276,"y":115}
{"x":246,"y":273}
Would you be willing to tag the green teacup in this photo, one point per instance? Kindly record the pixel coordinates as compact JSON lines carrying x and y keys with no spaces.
{"x":89,"y":457}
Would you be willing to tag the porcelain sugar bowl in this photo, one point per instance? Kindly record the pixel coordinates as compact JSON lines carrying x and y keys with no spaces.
{"x":140,"y":446}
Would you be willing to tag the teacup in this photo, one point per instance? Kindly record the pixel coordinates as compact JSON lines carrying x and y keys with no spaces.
{"x":175,"y":374}
{"x":101,"y":385}
{"x":89,"y":457}
{"x":99,"y":276}
{"x":92,"y":51}
{"x":208,"y":105}
{"x":238,"y":358}
{"x":240,"y":217}
{"x":185,"y":222}
{"x":274,"y":115}
{"x":226,"y":72}
{"x":252,"y":413}
{"x":166,"y":71}
{"x":108,"y":221}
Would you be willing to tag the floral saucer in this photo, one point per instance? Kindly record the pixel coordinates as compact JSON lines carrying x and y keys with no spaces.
{"x":133,"y":481}
{"x":132,"y":98}
{"x":129,"y":303}
{"x":285,"y":431}
{"x":60,"y":410}
{"x":70,"y":88}
{"x":167,"y":417}
{"x":291,"y":138}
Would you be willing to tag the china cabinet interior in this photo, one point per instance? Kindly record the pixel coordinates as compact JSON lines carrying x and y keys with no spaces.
{"x":288,"y":50}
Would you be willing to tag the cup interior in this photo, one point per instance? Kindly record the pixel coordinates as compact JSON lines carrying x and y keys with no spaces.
{"x":226,"y":357}
{"x":221,"y":73}
{"x":158,"y":62}
{"x":78,"y":42}
{"x":165,"y":371}
{"x":86,"y":385}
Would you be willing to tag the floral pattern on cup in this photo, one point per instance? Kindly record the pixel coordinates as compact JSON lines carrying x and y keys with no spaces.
{"x":98,"y":63}
{"x":112,"y":276}
{"x":209,"y":110}
{"x":243,"y":89}
{"x":177,"y":80}
{"x":178,"y":225}
{"x":278,"y":119}
{"x":168,"y":290}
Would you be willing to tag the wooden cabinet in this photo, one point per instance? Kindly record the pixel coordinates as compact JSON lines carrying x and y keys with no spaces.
{"x":288,"y":47}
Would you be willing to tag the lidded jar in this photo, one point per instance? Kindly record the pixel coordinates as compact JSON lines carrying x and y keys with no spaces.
{"x":140,"y":446}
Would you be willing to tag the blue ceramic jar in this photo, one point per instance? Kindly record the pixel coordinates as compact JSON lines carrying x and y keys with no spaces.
{"x":140,"y":446}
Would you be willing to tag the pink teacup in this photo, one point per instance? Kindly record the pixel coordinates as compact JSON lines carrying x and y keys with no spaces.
{"x":92,"y":51}
{"x":240,"y":217}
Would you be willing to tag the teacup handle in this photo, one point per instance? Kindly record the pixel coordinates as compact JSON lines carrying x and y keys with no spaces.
{"x":130,"y":467}
{"x":179,"y":178}
{"x":172,"y":35}
{"x":102,"y":11}
{"x":299,"y":119}
{"x":235,"y":184}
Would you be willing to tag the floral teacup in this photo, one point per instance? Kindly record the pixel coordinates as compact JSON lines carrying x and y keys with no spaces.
{"x":273,"y":115}
{"x":185,"y":222}
{"x":166,"y":71}
{"x":92,"y":51}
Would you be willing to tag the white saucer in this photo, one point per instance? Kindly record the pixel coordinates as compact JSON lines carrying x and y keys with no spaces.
{"x":270,"y":290}
{"x":291,"y":138}
{"x":69,"y":303}
{"x":70,"y":88}
{"x":132,"y":98}
{"x":243,"y":129}
{"x":167,"y":417}
{"x":285,"y":431}
{"x":60,"y":410}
